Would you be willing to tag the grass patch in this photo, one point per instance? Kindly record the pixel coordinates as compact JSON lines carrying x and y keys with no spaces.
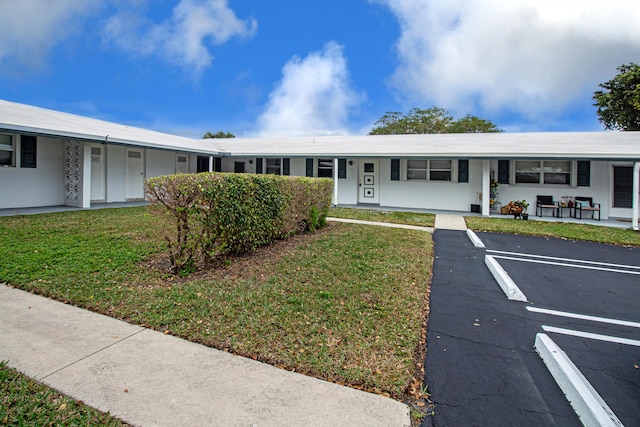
{"x":346,"y":304}
{"x":565,"y":230}
{"x":24,"y":402}
{"x":395,"y":217}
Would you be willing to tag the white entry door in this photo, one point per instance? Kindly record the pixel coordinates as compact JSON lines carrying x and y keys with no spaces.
{"x":369,"y":181}
{"x":135,"y":174}
{"x":97,"y":173}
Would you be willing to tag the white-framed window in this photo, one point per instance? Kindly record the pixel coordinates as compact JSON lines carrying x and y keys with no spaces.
{"x":325,"y":168}
{"x":7,"y":145}
{"x":273,"y":166}
{"x":429,"y":170}
{"x":555,"y":172}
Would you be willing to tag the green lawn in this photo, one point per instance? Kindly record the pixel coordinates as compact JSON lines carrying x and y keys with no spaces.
{"x":395,"y":217}
{"x":565,"y":230}
{"x":24,"y":402}
{"x":346,"y":304}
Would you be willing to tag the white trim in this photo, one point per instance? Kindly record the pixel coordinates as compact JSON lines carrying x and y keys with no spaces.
{"x":335,"y":182}
{"x":486,"y":187}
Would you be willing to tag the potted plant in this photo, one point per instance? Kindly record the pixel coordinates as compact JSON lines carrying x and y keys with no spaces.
{"x":518,"y":208}
{"x":494,"y":204}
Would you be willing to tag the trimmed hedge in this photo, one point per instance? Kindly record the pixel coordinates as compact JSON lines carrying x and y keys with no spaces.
{"x":222,"y":213}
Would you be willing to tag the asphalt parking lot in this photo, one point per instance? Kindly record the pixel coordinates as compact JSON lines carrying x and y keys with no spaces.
{"x":483,"y":367}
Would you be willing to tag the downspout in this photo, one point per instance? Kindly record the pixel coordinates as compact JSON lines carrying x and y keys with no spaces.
{"x":486,"y":196}
{"x":335,"y":182}
{"x":634,"y":196}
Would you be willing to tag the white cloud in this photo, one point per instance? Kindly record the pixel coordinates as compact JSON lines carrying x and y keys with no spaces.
{"x":532,"y":57}
{"x":184,"y":39}
{"x":314,"y":96}
{"x":31,"y":28}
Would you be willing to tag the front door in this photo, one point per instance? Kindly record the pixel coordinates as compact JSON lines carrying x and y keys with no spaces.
{"x":97,"y":173}
{"x":369,"y":181}
{"x":134,"y":175}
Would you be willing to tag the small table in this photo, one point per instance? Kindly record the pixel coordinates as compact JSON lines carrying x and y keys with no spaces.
{"x":561,"y":208}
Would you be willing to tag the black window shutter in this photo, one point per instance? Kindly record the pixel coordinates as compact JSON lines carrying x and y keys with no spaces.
{"x":217,"y":164}
{"x":285,"y":167}
{"x":342,"y":168}
{"x":259,"y":165}
{"x":463,"y":170}
{"x":28,"y":151}
{"x":395,"y":169}
{"x":503,"y":171}
{"x":584,"y":174}
{"x":309,"y":168}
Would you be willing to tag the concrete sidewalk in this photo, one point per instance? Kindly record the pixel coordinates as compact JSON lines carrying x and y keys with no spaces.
{"x":450,"y":222}
{"x":149,"y":379}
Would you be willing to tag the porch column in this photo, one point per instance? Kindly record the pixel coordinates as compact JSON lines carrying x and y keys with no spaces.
{"x":634,"y":195}
{"x":335,"y":182}
{"x":210,"y":163}
{"x":486,"y":196}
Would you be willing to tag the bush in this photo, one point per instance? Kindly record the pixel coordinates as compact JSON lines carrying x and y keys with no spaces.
{"x":219,"y":213}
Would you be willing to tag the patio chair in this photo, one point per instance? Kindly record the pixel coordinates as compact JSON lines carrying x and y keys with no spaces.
{"x":546,"y":202}
{"x":585,"y":204}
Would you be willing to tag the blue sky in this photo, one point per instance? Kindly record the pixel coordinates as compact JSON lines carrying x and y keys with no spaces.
{"x":285,"y":67}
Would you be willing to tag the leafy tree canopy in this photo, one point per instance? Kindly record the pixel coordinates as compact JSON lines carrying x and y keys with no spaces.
{"x":619,"y":103}
{"x":431,"y":120}
{"x":219,"y":134}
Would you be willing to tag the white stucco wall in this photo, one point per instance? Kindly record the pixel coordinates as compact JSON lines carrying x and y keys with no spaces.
{"x":159,"y":162}
{"x":39,"y":186}
{"x":599,"y":190}
{"x":451,"y":196}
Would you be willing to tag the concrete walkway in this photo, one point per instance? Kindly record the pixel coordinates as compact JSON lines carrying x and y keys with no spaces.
{"x":147,"y":378}
{"x":450,"y":222}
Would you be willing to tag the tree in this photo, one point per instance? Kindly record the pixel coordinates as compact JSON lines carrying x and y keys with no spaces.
{"x":430,"y":120}
{"x":219,"y":134}
{"x":473,"y":124}
{"x":619,"y":103}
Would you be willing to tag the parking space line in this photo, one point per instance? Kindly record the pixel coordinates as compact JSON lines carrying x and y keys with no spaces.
{"x":584,"y":317}
{"x":589,"y":335}
{"x":585,"y":400}
{"x":561,"y":264}
{"x":632,"y":267}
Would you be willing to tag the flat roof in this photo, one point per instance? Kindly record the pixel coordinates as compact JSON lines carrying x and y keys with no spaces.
{"x":15,"y":117}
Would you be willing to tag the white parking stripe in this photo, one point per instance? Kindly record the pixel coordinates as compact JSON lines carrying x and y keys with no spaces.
{"x":562,"y":264}
{"x":584,"y":317}
{"x":589,"y":335}
{"x":631,"y":267}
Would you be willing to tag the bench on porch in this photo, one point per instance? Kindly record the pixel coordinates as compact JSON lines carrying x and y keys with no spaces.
{"x":546,"y":202}
{"x":585,"y":204}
